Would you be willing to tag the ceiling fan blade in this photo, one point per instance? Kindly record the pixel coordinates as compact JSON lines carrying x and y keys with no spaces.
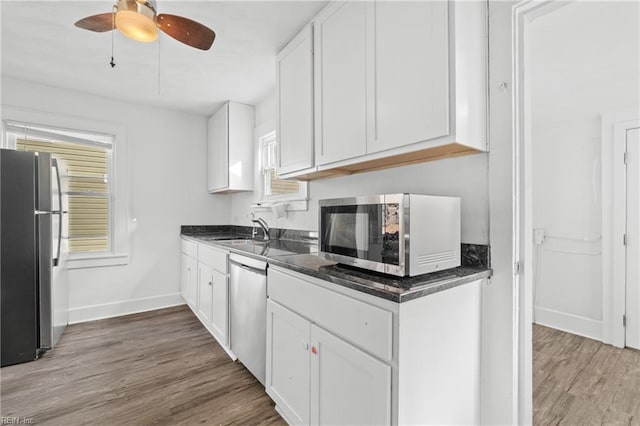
{"x":186,"y":31}
{"x":98,"y":23}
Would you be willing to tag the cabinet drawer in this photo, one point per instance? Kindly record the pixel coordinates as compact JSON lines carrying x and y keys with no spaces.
{"x":367,"y":326}
{"x":190,"y":249}
{"x":216,"y":259}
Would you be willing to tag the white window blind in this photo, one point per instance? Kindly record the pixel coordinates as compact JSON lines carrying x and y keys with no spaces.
{"x":87,"y":183}
{"x":273,"y":185}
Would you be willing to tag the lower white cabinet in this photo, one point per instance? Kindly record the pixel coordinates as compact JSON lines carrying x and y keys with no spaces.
{"x":205,"y":292}
{"x":318,"y":378}
{"x":339,"y":356}
{"x":189,"y":280}
{"x":205,"y":288}
{"x":220,"y":307}
{"x":348,"y":386}
{"x":288,"y":362}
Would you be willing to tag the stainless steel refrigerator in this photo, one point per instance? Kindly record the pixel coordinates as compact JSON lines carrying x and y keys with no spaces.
{"x":33,"y":285}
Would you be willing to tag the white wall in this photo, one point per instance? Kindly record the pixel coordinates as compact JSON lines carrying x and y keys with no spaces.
{"x":583,"y":61}
{"x":167,"y":188}
{"x":465,"y":177}
{"x":500,"y":344}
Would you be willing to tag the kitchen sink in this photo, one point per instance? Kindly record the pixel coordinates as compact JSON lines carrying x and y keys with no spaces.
{"x":246,"y":241}
{"x":269,"y":247}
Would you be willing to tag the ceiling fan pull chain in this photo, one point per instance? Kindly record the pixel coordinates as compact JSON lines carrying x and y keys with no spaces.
{"x":159,"y":65}
{"x":113,"y":27}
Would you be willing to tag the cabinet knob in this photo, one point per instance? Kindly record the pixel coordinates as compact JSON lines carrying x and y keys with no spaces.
{"x":210,"y":283}
{"x":314,"y":350}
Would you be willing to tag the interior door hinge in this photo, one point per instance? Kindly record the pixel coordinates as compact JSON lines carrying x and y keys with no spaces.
{"x":626,"y":158}
{"x":516,"y":268}
{"x":624,"y":320}
{"x":624,"y":240}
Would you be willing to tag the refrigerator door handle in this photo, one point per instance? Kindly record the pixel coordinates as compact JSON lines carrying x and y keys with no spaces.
{"x":56,"y":259}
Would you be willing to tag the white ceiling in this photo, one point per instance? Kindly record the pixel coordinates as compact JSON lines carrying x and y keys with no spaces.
{"x":41,"y":44}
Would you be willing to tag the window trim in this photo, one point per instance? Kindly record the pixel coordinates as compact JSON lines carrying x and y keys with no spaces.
{"x":121,"y":211}
{"x":293,"y":201}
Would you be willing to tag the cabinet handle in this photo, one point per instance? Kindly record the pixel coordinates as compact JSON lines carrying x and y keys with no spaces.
{"x":314,"y":350}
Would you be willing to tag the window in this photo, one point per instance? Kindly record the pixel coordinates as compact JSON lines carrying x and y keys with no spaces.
{"x":85,"y":179}
{"x":274,"y":189}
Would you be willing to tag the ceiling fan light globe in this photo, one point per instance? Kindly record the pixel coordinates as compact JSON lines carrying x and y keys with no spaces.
{"x":136,"y":26}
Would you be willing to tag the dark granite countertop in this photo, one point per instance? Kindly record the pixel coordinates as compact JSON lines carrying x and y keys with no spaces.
{"x":301,"y":255}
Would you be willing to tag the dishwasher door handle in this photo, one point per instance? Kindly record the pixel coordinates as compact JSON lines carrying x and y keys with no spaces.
{"x":261,"y":270}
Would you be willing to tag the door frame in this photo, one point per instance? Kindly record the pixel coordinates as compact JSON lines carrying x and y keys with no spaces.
{"x":523,"y":14}
{"x":614,"y":129}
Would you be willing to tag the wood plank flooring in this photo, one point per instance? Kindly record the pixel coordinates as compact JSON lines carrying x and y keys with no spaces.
{"x":159,"y":367}
{"x":579,"y":381}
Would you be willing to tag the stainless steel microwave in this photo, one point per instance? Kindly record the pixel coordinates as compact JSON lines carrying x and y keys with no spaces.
{"x":397,"y":234}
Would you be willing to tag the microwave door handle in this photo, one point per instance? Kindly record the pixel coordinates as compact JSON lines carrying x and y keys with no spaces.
{"x":56,"y":260}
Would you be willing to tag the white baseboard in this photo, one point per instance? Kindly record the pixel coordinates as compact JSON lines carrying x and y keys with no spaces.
{"x":573,"y":324}
{"x":124,"y":307}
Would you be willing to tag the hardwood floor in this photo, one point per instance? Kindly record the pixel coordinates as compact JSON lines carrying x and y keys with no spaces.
{"x":579,"y":381}
{"x":159,"y":367}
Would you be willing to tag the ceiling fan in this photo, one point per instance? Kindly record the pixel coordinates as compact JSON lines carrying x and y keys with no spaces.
{"x":138,"y":19}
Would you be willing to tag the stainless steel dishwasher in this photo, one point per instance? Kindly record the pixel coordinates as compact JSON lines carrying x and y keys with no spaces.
{"x":248,"y":306}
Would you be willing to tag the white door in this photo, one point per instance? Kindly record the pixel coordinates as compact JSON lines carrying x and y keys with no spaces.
{"x":340,"y":37}
{"x":220,"y":308}
{"x":633,"y":240}
{"x":218,"y":149}
{"x":294,"y":92}
{"x":408,"y":94}
{"x":348,"y":386}
{"x":287,"y":379}
{"x":205,"y":293}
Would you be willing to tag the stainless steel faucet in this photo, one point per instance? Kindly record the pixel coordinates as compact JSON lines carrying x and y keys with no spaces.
{"x":260,"y":221}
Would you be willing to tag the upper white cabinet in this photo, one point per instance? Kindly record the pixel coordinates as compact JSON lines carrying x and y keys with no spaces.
{"x":395,"y":83}
{"x":294,"y":93}
{"x":230,"y":148}
{"x":408,"y":98}
{"x":340,"y":69}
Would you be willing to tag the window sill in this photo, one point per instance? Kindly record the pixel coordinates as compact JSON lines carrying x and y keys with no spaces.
{"x":97,"y":261}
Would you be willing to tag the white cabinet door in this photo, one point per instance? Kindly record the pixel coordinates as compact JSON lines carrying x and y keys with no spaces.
{"x":189,"y":280}
{"x":220,"y":307}
{"x":205,"y":292}
{"x":287,"y":379}
{"x":218,"y":149}
{"x":408,"y":94}
{"x":193,"y":282}
{"x":347,"y":385}
{"x":340,"y":39}
{"x":184,"y":277}
{"x":294,"y":93}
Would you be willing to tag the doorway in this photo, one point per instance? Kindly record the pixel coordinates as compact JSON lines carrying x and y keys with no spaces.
{"x":626,"y":217}
{"x":565,"y":81}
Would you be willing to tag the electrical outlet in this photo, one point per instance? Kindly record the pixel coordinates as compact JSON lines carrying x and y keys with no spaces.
{"x":538,"y":236}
